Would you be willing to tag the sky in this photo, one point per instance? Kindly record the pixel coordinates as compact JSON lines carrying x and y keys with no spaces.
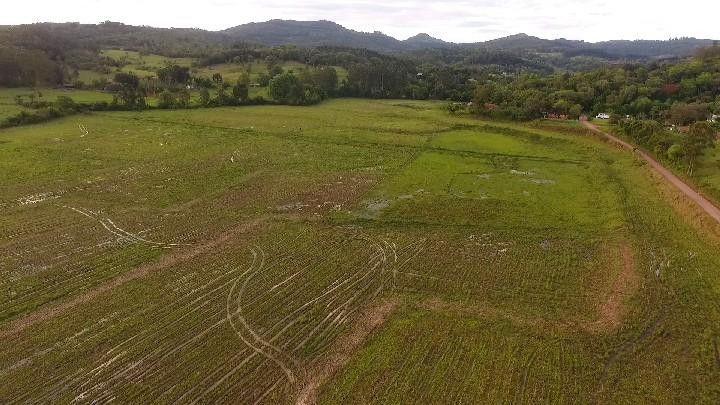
{"x":451,"y":20}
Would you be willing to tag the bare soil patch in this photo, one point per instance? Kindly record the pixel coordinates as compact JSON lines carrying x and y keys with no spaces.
{"x":620,"y":288}
{"x":616,"y":282}
{"x":334,"y":194}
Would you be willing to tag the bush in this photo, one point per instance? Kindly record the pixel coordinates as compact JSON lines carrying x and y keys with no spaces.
{"x":263,"y":79}
{"x":675,"y":153}
{"x":66,"y":104}
{"x":166,"y":99}
{"x":454,"y":108}
{"x":240,"y":91}
{"x":204,"y":97}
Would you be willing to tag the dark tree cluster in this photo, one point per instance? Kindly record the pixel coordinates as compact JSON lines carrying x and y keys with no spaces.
{"x":27,"y":67}
{"x":309,"y":86}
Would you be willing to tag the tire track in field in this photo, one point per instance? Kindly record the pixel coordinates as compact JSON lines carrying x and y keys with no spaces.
{"x":260,"y":345}
{"x":325,"y":326}
{"x":43,"y":314}
{"x":122,"y":234}
{"x":338,"y":314}
{"x":207,"y":297}
{"x":252,"y":355}
{"x":138,"y":376}
{"x":342,"y":350}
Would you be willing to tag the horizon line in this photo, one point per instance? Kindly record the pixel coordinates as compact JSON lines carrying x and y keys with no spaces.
{"x":375,"y":32}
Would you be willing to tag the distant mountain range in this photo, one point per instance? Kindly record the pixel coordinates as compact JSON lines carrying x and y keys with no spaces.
{"x":197,"y":42}
{"x":328,"y":33}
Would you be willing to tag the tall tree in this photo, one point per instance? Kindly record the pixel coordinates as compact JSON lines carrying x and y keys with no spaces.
{"x":128,"y":91}
{"x":286,"y":88}
{"x":701,"y":137}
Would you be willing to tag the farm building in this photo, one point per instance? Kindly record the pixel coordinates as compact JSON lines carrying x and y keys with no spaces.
{"x":555,"y":116}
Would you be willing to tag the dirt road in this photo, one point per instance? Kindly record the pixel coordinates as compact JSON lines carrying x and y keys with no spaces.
{"x":701,"y":201}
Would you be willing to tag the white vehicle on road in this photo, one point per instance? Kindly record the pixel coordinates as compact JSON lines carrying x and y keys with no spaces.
{"x":603,"y":116}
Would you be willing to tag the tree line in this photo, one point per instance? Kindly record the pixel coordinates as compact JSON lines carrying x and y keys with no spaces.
{"x":683,"y":150}
{"x":679,"y":92}
{"x":174,"y":87}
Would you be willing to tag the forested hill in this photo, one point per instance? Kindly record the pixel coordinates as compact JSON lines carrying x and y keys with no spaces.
{"x":53,"y":38}
{"x":310,"y":34}
{"x":52,"y":53}
{"x":321,"y":33}
{"x":617,"y":49}
{"x":328,"y":33}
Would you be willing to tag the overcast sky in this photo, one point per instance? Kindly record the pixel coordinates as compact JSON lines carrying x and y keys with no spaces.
{"x":451,"y":20}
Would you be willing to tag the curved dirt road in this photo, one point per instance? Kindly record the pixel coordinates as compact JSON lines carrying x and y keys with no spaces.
{"x":701,"y":201}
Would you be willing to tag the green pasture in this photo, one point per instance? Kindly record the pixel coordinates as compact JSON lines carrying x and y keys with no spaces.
{"x":207,"y":255}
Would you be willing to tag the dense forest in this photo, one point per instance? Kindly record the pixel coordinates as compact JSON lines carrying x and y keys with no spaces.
{"x":680,"y":92}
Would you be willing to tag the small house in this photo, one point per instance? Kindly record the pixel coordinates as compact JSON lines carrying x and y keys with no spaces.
{"x":554,"y":116}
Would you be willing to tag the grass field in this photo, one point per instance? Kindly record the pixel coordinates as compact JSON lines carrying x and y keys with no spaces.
{"x":143,"y":65}
{"x":352,"y":252}
{"x":8,"y":107}
{"x":707,"y":175}
{"x":147,"y":65}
